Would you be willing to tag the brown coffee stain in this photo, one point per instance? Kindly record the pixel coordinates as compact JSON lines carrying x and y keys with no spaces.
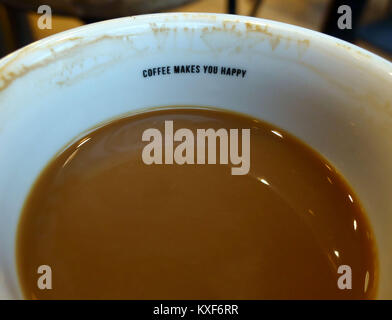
{"x":159,"y":30}
{"x":97,"y":67}
{"x":251,"y":27}
{"x":275,"y":38}
{"x":275,"y":42}
{"x":14,"y":68}
{"x":348,"y":48}
{"x":302,"y":46}
{"x":344,"y":46}
{"x":7,"y":71}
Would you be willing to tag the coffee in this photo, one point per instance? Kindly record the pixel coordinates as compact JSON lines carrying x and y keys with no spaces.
{"x":110,"y":226}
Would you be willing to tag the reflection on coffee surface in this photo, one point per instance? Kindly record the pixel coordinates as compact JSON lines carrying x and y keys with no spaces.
{"x":111,"y":226}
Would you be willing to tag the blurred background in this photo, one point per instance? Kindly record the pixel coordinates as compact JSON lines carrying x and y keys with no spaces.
{"x":371,"y":19}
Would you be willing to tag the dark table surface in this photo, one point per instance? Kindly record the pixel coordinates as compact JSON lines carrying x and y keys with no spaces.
{"x":99,"y":9}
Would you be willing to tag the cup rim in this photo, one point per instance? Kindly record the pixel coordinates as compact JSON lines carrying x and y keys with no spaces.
{"x":34,"y":55}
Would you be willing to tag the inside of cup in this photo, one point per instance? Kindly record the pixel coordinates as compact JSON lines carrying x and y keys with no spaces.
{"x":333,"y":96}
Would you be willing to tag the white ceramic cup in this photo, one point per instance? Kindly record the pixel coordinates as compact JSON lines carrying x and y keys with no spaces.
{"x":334,"y":96}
